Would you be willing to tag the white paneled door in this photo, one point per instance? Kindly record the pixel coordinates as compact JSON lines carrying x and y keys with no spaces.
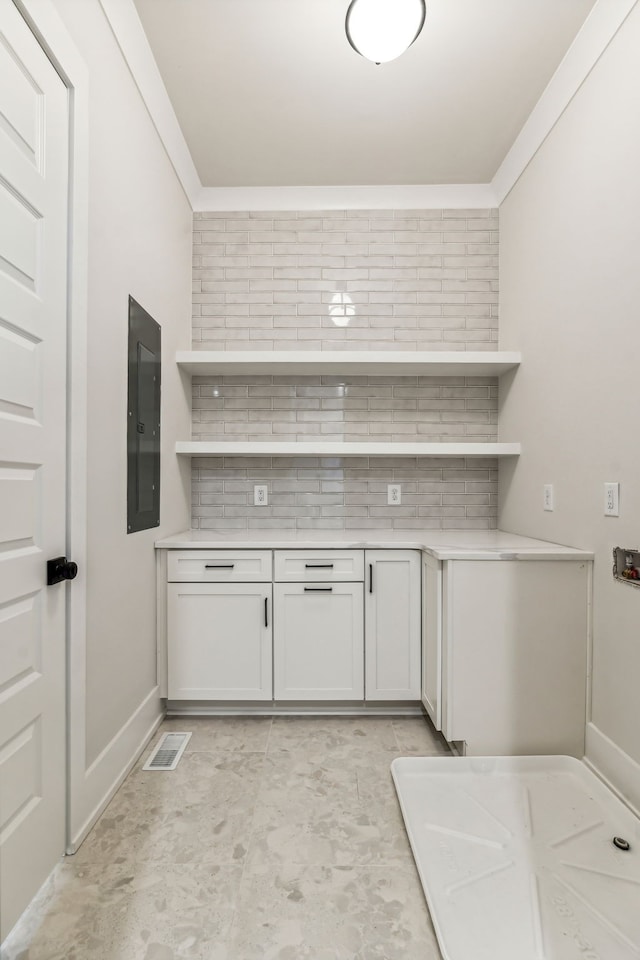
{"x":33,"y":296}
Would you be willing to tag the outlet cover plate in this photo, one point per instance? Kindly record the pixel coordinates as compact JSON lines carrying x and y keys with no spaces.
{"x":547,"y":496}
{"x":612,"y":499}
{"x":394,"y":494}
{"x":260,"y":495}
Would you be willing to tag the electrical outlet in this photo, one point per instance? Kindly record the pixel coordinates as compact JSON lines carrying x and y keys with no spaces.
{"x":394,"y":494}
{"x":612,"y":499}
{"x":548,"y":496}
{"x":260,"y":495}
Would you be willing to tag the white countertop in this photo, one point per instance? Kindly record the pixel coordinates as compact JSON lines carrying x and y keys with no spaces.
{"x":441,"y":544}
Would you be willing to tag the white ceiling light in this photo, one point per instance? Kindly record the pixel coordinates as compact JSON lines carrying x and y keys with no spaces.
{"x":381,"y":30}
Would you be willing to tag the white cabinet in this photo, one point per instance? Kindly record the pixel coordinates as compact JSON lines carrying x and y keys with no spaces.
{"x":432,"y":638}
{"x":318,"y":641}
{"x":219,"y":641}
{"x":514,"y":655}
{"x":501,"y":667}
{"x":392,"y":624}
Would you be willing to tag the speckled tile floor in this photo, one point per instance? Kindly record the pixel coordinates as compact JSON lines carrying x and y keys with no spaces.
{"x":274,"y":839}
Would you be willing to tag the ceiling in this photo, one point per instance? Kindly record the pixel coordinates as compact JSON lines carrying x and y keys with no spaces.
{"x":269,"y":92}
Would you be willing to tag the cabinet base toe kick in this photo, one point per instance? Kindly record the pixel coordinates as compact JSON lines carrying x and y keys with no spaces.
{"x":277,"y":708}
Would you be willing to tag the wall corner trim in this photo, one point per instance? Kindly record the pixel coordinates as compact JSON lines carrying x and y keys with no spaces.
{"x":597,"y":32}
{"x":128,"y":31}
{"x":620,"y":772}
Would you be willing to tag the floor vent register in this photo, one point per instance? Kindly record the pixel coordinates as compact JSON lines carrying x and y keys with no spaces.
{"x":167,"y":753}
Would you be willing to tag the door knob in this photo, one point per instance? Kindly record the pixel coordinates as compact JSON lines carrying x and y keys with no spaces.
{"x":61,"y":569}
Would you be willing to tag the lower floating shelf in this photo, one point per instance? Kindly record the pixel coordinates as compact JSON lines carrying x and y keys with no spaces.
{"x":206,"y":448}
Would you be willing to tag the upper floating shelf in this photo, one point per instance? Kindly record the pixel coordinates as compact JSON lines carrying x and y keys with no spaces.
{"x":311,"y":448}
{"x":433,"y":363}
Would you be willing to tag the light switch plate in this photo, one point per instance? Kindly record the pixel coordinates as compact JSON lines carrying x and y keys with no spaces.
{"x":612,"y":499}
{"x":547,"y":498}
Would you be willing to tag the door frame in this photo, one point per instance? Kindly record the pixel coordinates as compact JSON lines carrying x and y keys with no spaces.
{"x":48,"y":28}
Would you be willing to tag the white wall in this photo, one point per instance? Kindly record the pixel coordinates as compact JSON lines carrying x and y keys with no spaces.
{"x":570,"y":300}
{"x":140,"y":226}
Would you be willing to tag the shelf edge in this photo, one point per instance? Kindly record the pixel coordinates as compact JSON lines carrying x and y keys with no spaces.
{"x":407,"y":363}
{"x":195,"y":448}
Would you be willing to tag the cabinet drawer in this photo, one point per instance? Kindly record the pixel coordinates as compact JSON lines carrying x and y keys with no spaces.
{"x":307,"y":566}
{"x":219,"y":566}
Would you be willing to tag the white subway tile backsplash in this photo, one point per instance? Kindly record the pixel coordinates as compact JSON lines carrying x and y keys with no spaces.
{"x":417,"y":279}
{"x":437,"y":261}
{"x":339,"y":493}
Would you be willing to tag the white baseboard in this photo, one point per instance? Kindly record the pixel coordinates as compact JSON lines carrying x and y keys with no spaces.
{"x":107,"y":773}
{"x":619,"y":771}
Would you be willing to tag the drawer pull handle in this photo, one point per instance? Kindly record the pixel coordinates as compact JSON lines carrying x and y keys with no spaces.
{"x":318,"y":589}
{"x":266,"y":611}
{"x":370,"y":578}
{"x":219,"y":566}
{"x":319,"y":566}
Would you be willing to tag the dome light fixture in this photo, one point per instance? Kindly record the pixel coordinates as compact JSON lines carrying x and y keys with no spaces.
{"x":381,"y":30}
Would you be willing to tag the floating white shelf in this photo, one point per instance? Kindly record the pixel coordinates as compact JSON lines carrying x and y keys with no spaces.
{"x":433,"y":363}
{"x":245,"y":448}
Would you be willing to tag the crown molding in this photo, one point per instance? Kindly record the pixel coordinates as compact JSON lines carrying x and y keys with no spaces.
{"x":398,"y":197}
{"x":128,"y":31}
{"x":595,"y":35}
{"x":597,"y":32}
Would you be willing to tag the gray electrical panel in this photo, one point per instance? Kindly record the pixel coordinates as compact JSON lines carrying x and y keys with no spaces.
{"x":143,"y":420}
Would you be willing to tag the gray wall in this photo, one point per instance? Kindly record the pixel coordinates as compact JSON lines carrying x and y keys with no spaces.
{"x":139,"y":244}
{"x":570,"y":289}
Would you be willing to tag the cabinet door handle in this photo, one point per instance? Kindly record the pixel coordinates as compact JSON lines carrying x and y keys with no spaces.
{"x":319,"y":566}
{"x":219,"y":566}
{"x":318,"y":589}
{"x":370,"y":578}
{"x":266,"y":611}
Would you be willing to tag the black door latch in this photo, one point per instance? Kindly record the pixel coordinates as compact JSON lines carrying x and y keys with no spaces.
{"x":61,"y":569}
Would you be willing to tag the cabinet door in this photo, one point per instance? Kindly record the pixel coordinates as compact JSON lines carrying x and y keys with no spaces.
{"x":392,"y":624}
{"x":219,"y":638}
{"x":318,"y":641}
{"x":432,"y":639}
